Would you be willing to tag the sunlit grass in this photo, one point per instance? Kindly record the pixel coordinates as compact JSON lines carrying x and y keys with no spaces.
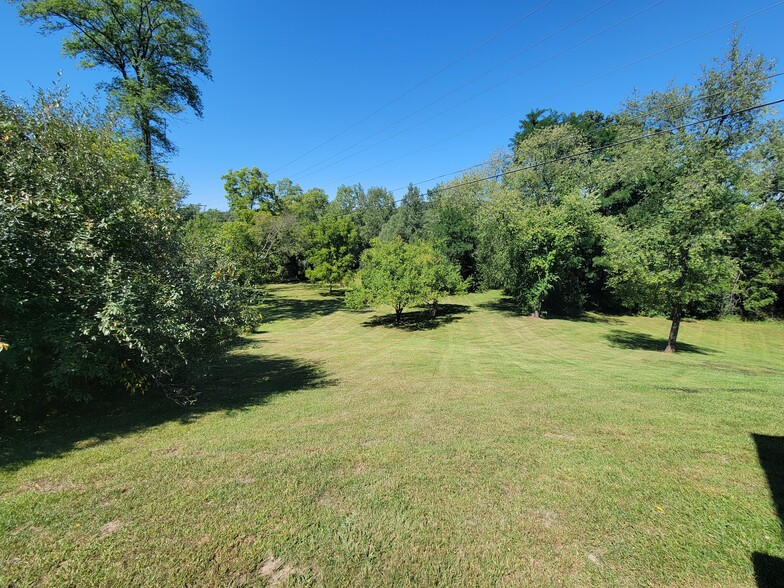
{"x":483,"y":448}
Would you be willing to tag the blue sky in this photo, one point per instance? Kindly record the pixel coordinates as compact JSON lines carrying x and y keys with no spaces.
{"x":289,"y":74}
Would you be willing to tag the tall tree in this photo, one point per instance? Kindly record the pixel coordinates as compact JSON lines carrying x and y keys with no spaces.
{"x":335,"y":250}
{"x":409,"y":219}
{"x":156,"y":49}
{"x":249,"y":189}
{"x":670,"y":251}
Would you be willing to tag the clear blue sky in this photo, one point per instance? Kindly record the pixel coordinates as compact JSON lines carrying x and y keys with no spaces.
{"x":290,"y":74}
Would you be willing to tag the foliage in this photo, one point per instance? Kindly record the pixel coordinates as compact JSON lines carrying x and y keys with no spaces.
{"x":335,"y":250}
{"x":155,"y":49}
{"x":597,"y":128}
{"x":409,"y":219}
{"x":99,"y":292}
{"x":670,"y":251}
{"x":758,"y":247}
{"x":248,"y":190}
{"x":400,"y":274}
{"x":541,"y":253}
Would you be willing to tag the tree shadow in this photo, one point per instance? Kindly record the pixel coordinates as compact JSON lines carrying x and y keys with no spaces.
{"x":421,"y":320}
{"x":768,"y":569}
{"x":236,"y":382}
{"x":592,"y":318}
{"x":508,"y":306}
{"x":645,"y":342}
{"x":281,"y":308}
{"x":505,"y":305}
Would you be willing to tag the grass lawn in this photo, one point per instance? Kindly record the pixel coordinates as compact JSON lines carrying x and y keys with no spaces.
{"x":482,"y":449}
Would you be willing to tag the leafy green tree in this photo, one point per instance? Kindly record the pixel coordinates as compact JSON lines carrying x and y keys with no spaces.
{"x":249,"y":189}
{"x":542,"y":252}
{"x":671,"y":251}
{"x":597,"y":128}
{"x":155,"y":48}
{"x":374,"y":212}
{"x":100,"y":293}
{"x":370,"y":209}
{"x":758,"y":247}
{"x":335,"y":250}
{"x":400,"y":274}
{"x":308,"y":206}
{"x":547,"y":170}
{"x":452,"y":220}
{"x":285,"y":189}
{"x":408,"y":220}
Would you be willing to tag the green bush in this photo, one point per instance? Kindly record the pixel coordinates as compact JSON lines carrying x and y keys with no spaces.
{"x":99,"y":293}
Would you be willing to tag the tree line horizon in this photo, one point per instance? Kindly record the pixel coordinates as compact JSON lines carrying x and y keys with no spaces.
{"x":108,"y":281}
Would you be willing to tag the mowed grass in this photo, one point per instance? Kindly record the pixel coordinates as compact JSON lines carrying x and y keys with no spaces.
{"x":481,"y":449}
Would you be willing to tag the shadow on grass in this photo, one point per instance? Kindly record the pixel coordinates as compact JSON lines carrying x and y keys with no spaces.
{"x":420,"y":320}
{"x":768,"y":569}
{"x":644,"y":342}
{"x":237,"y":382}
{"x":280,"y":308}
{"x":508,"y":306}
{"x":503,"y":305}
{"x":592,"y":318}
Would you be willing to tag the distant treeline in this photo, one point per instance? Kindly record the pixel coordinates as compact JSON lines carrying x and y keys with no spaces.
{"x":673,"y":205}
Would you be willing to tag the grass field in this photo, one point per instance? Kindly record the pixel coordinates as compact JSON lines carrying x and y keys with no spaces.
{"x":481,"y":449}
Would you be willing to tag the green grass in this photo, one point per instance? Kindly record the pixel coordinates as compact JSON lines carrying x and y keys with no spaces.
{"x":482,"y":449}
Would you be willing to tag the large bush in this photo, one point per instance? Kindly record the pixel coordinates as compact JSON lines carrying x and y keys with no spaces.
{"x":98,"y":292}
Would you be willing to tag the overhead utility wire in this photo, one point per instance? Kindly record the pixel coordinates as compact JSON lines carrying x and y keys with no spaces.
{"x":475,"y":79}
{"x":300,"y":175}
{"x":589,"y":151}
{"x":570,"y":156}
{"x":420,"y":84}
{"x":571,"y":88}
{"x":664,"y":109}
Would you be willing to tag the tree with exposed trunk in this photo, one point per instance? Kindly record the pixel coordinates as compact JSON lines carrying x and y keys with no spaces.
{"x":669,"y":251}
{"x":155,"y":48}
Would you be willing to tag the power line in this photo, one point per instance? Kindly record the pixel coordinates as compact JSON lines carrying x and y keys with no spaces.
{"x":567,"y":157}
{"x":569,"y":89}
{"x":685,"y":102}
{"x":422,"y":83}
{"x":664,"y":109}
{"x":592,"y":150}
{"x":301,"y":174}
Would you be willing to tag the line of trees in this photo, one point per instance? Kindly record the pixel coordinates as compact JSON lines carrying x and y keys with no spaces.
{"x":645,"y":210}
{"x":673,"y":205}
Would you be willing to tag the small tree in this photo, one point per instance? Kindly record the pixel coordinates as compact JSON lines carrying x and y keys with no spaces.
{"x":400,"y":275}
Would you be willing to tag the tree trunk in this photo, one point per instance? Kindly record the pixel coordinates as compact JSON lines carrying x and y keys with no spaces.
{"x":676,"y":323}
{"x":398,"y":315}
{"x":330,"y":289}
{"x":147,"y":138}
{"x":434,"y":309}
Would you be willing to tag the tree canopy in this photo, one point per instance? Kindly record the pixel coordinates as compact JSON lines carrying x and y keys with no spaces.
{"x":155,"y":48}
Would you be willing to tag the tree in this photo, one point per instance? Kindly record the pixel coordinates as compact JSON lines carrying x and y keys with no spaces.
{"x":542,"y":252}
{"x":308,"y":207}
{"x":452,"y":220}
{"x":671,"y":251}
{"x":249,"y":189}
{"x":409,"y":219}
{"x":547,"y":169}
{"x":154,"y":47}
{"x":334,"y":254}
{"x":100,"y":292}
{"x":401,"y":274}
